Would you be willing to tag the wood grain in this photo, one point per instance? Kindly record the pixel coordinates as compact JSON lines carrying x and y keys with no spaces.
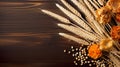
{"x":28,"y":38}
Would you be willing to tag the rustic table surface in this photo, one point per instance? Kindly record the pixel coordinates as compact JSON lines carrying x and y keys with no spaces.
{"x":28,"y":38}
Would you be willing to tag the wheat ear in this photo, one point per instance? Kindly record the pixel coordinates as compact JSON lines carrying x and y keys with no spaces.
{"x":90,"y":17}
{"x":95,"y":4}
{"x":88,"y":4}
{"x":75,"y":39}
{"x":71,"y":8}
{"x":56,"y":16}
{"x":80,"y":32}
{"x":74,"y":18}
{"x":101,"y":2}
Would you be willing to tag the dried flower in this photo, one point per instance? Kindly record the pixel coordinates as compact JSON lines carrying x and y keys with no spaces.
{"x":94,"y":51}
{"x":103,"y":14}
{"x":115,"y":32}
{"x":106,"y":44}
{"x":114,"y":5}
{"x":117,"y":17}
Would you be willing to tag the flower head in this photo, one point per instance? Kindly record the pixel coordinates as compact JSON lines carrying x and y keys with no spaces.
{"x":117,"y":17}
{"x":94,"y":51}
{"x":106,"y":44}
{"x":115,"y":32}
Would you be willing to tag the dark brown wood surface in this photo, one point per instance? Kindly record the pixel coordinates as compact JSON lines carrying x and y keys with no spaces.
{"x":28,"y":38}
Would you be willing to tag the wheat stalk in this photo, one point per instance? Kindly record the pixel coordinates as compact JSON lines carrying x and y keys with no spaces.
{"x":74,"y":18}
{"x":89,"y":17}
{"x":82,"y":8}
{"x":56,"y":16}
{"x":101,"y":2}
{"x":75,"y":39}
{"x":114,"y":58}
{"x":88,"y":4}
{"x":95,"y":5}
{"x":81,"y":2}
{"x":71,"y":8}
{"x":79,"y":32}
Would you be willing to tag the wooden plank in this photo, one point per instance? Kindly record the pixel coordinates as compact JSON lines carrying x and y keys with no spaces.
{"x":27,"y":0}
{"x":28,"y":38}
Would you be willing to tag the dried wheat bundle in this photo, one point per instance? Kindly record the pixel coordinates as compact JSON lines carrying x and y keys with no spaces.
{"x":96,"y":24}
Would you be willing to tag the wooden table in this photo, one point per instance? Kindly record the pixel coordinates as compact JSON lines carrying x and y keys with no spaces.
{"x":28,"y":38}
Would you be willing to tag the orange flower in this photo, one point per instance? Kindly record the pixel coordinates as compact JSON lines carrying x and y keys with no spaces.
{"x":115,"y":32}
{"x":117,"y":17}
{"x":94,"y":51}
